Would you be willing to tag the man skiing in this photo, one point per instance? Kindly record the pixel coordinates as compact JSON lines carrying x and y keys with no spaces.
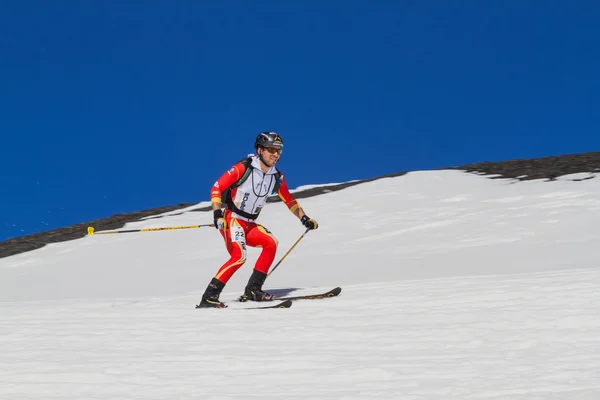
{"x":244,"y":190}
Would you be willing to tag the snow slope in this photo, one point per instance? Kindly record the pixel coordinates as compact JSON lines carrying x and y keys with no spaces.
{"x":456,"y":286}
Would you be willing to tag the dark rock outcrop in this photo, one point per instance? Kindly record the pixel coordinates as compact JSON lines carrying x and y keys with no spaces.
{"x":37,"y":240}
{"x":523,"y":169}
{"x":538,"y":168}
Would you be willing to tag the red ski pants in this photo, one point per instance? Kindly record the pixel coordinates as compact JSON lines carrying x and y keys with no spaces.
{"x":240,"y":234}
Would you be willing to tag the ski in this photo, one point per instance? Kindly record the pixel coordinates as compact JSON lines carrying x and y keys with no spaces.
{"x":332,"y":293}
{"x":283,"y":304}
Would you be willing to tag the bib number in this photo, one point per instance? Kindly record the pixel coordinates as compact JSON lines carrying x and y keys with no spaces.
{"x":237,"y":234}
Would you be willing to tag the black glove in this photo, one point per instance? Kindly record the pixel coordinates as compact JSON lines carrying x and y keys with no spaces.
{"x":309,"y":222}
{"x":220,"y":222}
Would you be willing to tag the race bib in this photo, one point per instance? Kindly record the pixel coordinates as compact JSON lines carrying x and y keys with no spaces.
{"x":237,"y":234}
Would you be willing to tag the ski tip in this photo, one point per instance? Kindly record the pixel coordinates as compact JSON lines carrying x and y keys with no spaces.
{"x":285,"y":304}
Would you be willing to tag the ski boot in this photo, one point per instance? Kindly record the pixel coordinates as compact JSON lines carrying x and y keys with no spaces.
{"x":253,"y":291}
{"x":210,"y":298}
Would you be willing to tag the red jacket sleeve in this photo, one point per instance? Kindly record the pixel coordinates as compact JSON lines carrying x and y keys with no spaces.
{"x":286,"y":196}
{"x":226,"y":180}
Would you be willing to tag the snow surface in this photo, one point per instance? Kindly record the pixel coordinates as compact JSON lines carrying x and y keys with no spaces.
{"x":455,"y":286}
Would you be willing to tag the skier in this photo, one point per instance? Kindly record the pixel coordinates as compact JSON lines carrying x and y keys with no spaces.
{"x":244,"y":189}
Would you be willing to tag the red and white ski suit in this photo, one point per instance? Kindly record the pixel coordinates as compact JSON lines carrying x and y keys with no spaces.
{"x":249,"y":198}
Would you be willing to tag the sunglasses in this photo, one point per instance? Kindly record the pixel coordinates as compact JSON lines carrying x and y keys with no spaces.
{"x":273,"y":150}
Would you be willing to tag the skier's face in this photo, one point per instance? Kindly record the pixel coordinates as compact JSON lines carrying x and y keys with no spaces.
{"x":270,"y":155}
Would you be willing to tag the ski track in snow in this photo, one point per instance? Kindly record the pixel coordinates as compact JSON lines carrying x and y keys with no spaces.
{"x":457,"y":294}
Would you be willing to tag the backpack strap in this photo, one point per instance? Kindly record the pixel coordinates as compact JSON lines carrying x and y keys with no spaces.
{"x":278,"y":181}
{"x":247,"y":162}
{"x":226,"y":197}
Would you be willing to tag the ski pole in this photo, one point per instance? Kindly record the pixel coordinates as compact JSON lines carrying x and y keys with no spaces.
{"x":166,"y":228}
{"x":289,"y":251}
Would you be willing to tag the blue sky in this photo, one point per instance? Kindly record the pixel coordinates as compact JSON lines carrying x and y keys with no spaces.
{"x":115,"y":106}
